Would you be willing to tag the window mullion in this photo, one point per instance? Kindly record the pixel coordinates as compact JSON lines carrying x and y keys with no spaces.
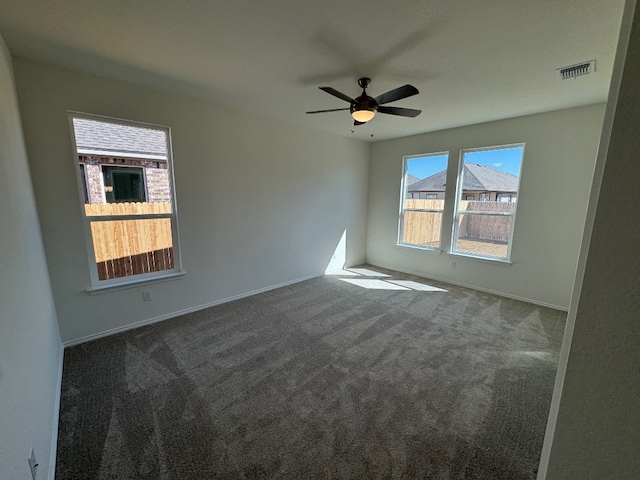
{"x":427,"y":210}
{"x":144,"y":216}
{"x":483,"y":212}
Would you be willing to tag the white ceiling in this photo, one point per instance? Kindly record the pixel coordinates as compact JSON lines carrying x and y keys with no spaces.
{"x":472,"y":60}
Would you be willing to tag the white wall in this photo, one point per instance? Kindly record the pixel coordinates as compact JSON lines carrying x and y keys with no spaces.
{"x":30,"y":348}
{"x":596,"y":407}
{"x":556,"y":177}
{"x":259,"y":202}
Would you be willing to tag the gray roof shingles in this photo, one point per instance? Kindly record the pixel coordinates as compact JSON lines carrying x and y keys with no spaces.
{"x":434,"y":183}
{"x":125,"y":140}
{"x":476,"y":178}
{"x":411,"y":179}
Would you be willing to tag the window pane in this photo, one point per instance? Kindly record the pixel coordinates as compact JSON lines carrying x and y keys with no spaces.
{"x":422,"y":228}
{"x":424,"y":188}
{"x":486,"y":235}
{"x":131,"y":247}
{"x":123,"y":164}
{"x":489,"y":182}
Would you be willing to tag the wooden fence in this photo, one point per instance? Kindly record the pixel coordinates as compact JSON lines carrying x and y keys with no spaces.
{"x":423,"y":228}
{"x":146,"y":262}
{"x":492,"y":228}
{"x":131,"y":247}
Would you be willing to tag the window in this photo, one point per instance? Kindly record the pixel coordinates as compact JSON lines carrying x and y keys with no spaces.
{"x":422,"y":202}
{"x":505,"y":198}
{"x":125,"y":182}
{"x":485,"y":228}
{"x":486,"y":193}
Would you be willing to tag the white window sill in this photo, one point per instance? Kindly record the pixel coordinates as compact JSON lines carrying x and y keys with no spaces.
{"x":132,"y":283}
{"x":501,"y":261}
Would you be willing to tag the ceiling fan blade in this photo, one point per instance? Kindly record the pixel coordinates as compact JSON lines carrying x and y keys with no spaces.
{"x":330,"y":110}
{"x":403,"y":112}
{"x":397,"y":94}
{"x":336,"y":93}
{"x":356,"y":123}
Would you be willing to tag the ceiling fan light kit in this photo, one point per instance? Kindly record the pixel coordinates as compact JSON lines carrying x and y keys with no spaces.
{"x":363,"y":116}
{"x":364,"y":107}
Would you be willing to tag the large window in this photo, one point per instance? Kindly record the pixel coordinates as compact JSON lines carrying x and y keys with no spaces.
{"x":486,"y":197}
{"x":126,"y":186}
{"x":422,"y":203}
{"x":484,"y":227}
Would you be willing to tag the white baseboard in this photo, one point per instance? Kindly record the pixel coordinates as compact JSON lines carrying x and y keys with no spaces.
{"x":167,"y":316}
{"x":475,"y":287}
{"x":56,"y":418}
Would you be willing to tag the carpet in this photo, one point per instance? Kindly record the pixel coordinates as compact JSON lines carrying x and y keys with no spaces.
{"x":366,"y":374}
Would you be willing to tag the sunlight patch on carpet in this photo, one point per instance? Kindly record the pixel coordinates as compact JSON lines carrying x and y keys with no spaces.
{"x":421,"y":287}
{"x":365,"y":272}
{"x":373,"y":284}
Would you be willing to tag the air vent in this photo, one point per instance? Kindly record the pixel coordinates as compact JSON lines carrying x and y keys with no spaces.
{"x":577,"y":70}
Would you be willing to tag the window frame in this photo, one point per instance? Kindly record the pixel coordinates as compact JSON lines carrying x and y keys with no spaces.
{"x":101,"y":286}
{"x":403,"y":197}
{"x":458,"y":199}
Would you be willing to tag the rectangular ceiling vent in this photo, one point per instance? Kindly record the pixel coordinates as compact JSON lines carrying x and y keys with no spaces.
{"x":577,"y":70}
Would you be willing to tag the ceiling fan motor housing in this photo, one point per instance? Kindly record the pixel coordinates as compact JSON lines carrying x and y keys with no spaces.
{"x":364,"y":101}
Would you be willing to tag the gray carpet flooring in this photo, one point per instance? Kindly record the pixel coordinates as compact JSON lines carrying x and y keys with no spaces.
{"x":369,"y":375}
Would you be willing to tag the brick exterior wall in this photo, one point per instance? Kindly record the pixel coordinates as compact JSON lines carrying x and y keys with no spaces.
{"x":95,"y":187}
{"x":157,"y":180}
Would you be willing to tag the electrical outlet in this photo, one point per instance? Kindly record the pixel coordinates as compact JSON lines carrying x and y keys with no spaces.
{"x":452,"y":265}
{"x":147,"y":295}
{"x":33,"y":464}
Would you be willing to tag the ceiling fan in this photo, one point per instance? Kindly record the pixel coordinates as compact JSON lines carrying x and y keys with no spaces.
{"x":364,"y":107}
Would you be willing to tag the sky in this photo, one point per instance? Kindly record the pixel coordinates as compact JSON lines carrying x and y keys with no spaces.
{"x":505,"y":159}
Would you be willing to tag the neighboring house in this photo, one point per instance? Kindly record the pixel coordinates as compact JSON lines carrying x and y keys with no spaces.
{"x":480,"y":182}
{"x":119,"y":163}
{"x":411,"y":179}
